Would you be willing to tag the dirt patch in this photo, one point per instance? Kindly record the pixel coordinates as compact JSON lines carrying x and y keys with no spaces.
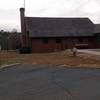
{"x":57,"y":58}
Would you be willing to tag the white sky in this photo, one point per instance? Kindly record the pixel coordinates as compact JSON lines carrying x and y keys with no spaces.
{"x":10,"y":15}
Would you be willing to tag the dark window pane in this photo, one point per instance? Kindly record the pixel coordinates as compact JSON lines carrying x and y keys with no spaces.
{"x":98,"y":38}
{"x":80,"y":40}
{"x":45,"y":40}
{"x":58,"y":40}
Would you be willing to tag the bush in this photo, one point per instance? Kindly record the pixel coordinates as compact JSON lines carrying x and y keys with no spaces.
{"x":25,"y":50}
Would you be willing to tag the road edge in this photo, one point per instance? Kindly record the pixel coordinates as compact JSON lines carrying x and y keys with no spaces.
{"x":8,"y":65}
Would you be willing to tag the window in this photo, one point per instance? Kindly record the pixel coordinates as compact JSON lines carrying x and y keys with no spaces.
{"x":58,"y":40}
{"x":98,"y":38}
{"x":80,"y":40}
{"x":28,"y":33}
{"x":45,"y":40}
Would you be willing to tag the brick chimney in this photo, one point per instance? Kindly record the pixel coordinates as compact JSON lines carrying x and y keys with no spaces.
{"x":23,"y":27}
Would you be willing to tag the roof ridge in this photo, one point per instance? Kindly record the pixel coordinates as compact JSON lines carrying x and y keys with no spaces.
{"x":60,"y":17}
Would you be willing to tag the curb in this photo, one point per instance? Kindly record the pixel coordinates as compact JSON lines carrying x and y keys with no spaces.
{"x":8,"y":66}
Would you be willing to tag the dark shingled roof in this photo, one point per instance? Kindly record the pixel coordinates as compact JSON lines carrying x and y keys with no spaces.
{"x":97,"y":28}
{"x":58,"y":27}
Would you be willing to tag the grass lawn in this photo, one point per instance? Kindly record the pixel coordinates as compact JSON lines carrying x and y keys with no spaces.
{"x":62,"y":58}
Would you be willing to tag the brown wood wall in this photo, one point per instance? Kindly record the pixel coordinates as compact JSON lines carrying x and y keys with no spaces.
{"x":66,"y":43}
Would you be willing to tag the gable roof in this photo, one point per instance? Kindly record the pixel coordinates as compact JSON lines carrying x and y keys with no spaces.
{"x":58,"y":27}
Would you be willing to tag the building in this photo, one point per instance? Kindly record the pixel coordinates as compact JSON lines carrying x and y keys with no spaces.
{"x":45,"y":34}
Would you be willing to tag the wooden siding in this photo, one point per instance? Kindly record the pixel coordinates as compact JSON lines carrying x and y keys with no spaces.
{"x":67,"y":43}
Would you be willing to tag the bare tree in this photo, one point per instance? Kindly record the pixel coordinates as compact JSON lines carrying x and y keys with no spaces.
{"x":14,"y":30}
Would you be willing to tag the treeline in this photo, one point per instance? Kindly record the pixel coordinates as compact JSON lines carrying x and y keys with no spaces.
{"x":10,"y":40}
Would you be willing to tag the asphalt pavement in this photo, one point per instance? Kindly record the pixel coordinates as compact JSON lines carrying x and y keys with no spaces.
{"x":49,"y":82}
{"x":90,"y":51}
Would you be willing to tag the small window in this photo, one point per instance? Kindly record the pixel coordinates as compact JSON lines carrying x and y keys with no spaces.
{"x":45,"y":40}
{"x":98,"y":38}
{"x":58,"y":40}
{"x":80,"y":40}
{"x":28,"y":32}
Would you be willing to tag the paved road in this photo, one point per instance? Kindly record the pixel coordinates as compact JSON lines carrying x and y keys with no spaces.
{"x":47,"y":82}
{"x":90,"y":51}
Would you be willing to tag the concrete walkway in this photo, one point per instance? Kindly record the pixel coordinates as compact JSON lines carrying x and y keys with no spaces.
{"x":90,"y":51}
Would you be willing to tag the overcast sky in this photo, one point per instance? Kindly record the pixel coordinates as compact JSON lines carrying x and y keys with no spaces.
{"x":10,"y":16}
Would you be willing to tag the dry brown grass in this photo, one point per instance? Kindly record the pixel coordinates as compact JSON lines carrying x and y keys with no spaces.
{"x":62,"y":58}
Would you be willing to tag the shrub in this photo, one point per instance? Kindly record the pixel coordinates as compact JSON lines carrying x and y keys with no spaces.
{"x":25,"y":50}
